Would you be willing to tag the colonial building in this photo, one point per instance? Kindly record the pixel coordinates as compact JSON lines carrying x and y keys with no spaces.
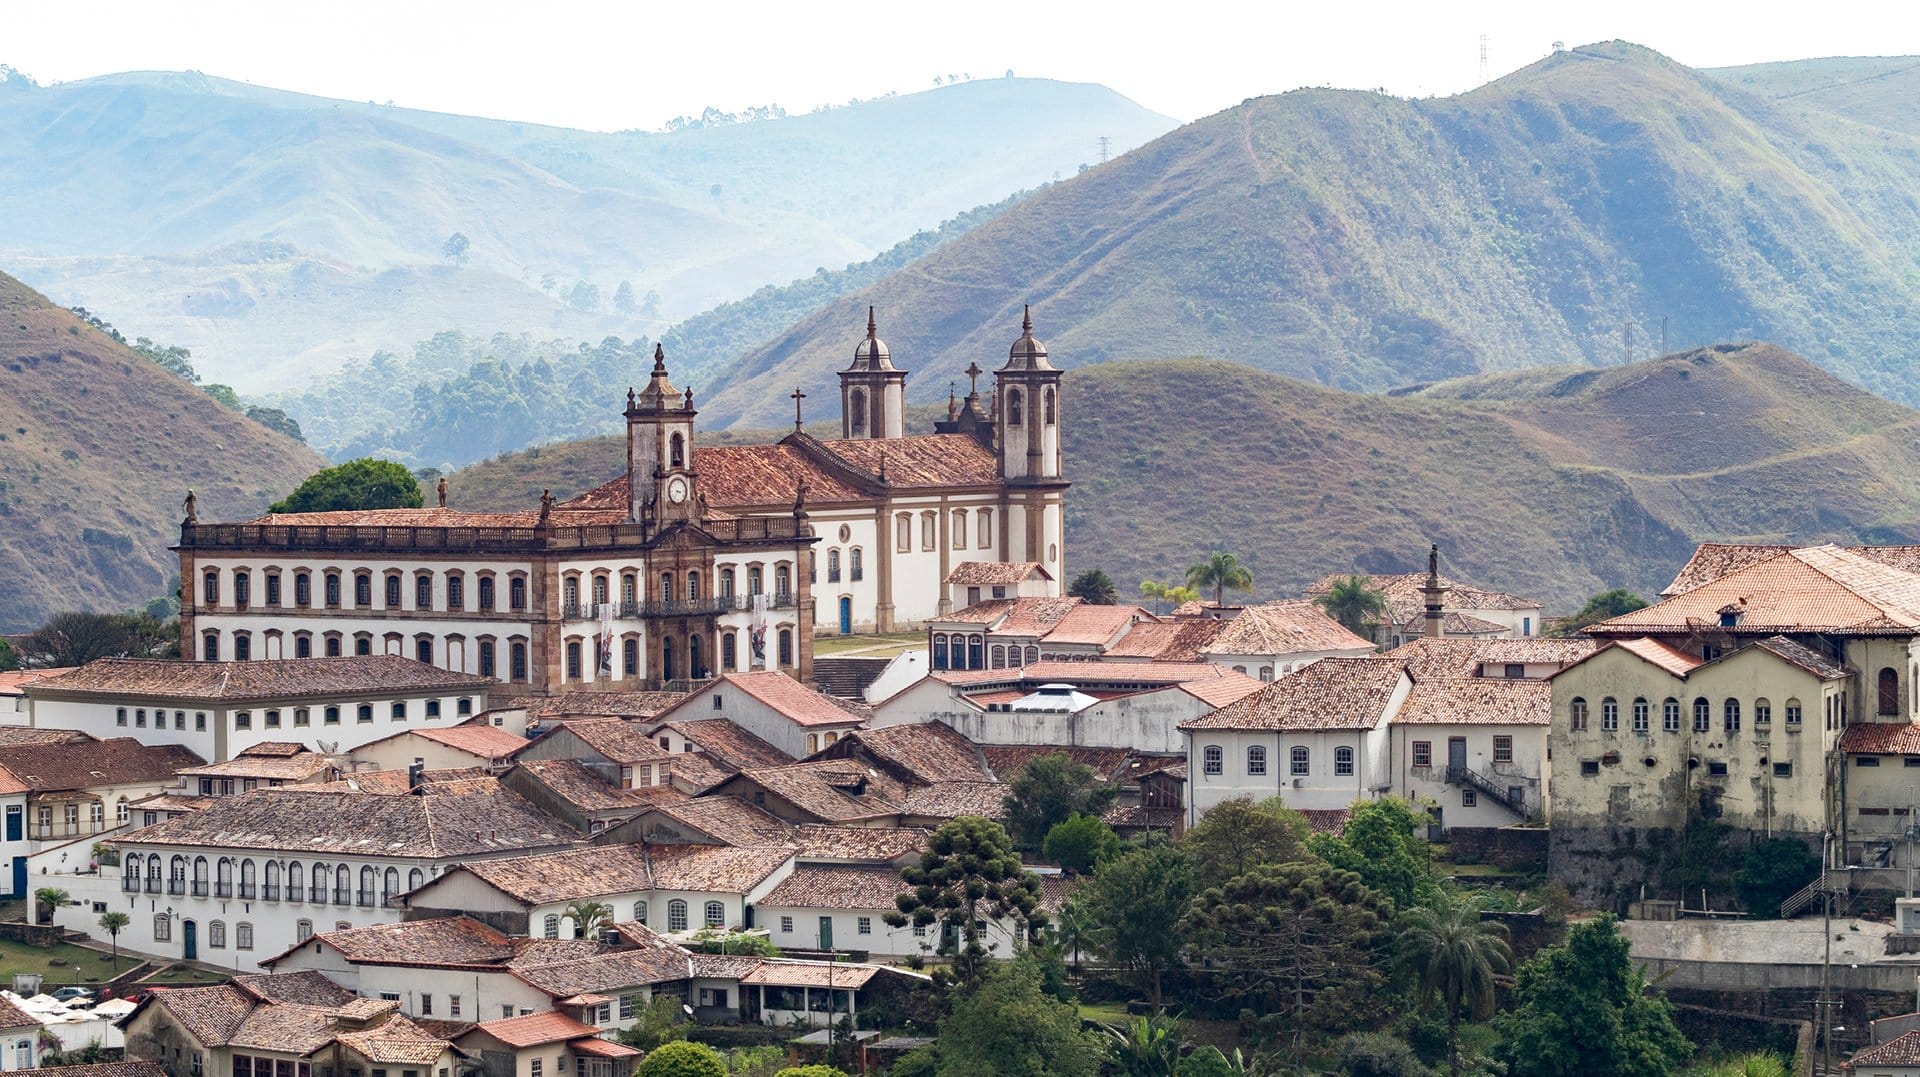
{"x":1467,"y":612}
{"x":696,"y":561}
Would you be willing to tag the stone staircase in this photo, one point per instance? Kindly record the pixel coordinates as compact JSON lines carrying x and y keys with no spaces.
{"x":1829,"y":882}
{"x":847,"y":677}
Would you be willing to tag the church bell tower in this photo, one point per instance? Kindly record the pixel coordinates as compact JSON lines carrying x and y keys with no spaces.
{"x":1027,"y":437}
{"x":873,"y":392}
{"x":661,"y":482}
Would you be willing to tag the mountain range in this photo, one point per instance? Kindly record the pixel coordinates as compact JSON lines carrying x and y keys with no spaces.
{"x":1584,"y":209}
{"x":275,"y":233}
{"x":98,"y":450}
{"x":1553,"y":483}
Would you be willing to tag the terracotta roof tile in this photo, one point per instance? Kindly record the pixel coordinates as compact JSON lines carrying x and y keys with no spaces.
{"x":822,"y":886}
{"x":534,"y":1029}
{"x":653,"y":961}
{"x":1672,"y":659}
{"x":922,"y":751}
{"x":443,"y":941}
{"x":137,"y":1067}
{"x":861,"y":843}
{"x":577,"y":784}
{"x":616,"y":739}
{"x":1181,"y":640}
{"x":434,"y":826}
{"x":613,"y":869}
{"x":569,"y":705}
{"x":17,"y":734}
{"x":774,"y":973}
{"x":1816,"y":589}
{"x":951,"y":800}
{"x":1454,"y":624}
{"x":1405,"y":602}
{"x":292,"y":768}
{"x":1132,"y":675}
{"x":1288,"y":627}
{"x":484,"y":741}
{"x":1712,"y":560}
{"x":11,"y":680}
{"x":1805,"y":657}
{"x":1902,"y":1050}
{"x":1090,"y":624}
{"x":1881,"y":738}
{"x":1327,"y":820}
{"x":396,"y":1046}
{"x":830,"y":790}
{"x":1221,"y":691}
{"x":1332,"y":693}
{"x":86,"y":764}
{"x":728,"y":743}
{"x":1477,"y":701}
{"x":236,"y":682}
{"x":12,"y":1016}
{"x":919,"y":461}
{"x":728,"y":820}
{"x":793,"y":700}
{"x":994,"y":573}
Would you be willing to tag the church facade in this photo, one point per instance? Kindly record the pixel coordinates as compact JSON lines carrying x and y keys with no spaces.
{"x":695,"y":561}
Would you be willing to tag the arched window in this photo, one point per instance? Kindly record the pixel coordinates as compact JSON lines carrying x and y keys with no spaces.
{"x":998,"y":658}
{"x":1033,"y":655}
{"x":243,"y":646}
{"x":929,"y":527}
{"x":1793,"y":714}
{"x":1266,"y":673}
{"x":162,"y":927}
{"x":486,"y":593}
{"x":986,"y":529}
{"x":786,"y":646}
{"x":729,"y":651}
{"x":599,"y":590}
{"x":393,"y":591}
{"x":676,"y":915}
{"x":217,"y":935}
{"x":243,"y":935}
{"x":782,"y":581}
{"x":666,"y":659}
{"x":242,"y":587}
{"x":1212,"y":759}
{"x":676,"y":451}
{"x":959,"y":529}
{"x":342,"y":885}
{"x":696,"y":658}
{"x":1732,"y":715}
{"x":1297,"y":761}
{"x":210,"y":589}
{"x":247,"y":879}
{"x":573,"y":660}
{"x":415,"y":878}
{"x":302,"y":930}
{"x":1048,"y":399}
{"x":1577,"y":714}
{"x":726,"y":583}
{"x":957,"y":652}
{"x":1257,"y":760}
{"x":319,"y":891}
{"x":1609,"y":714}
{"x":666,"y":587}
{"x":550,"y":927}
{"x":630,"y":656}
{"x":390,"y":884}
{"x":486,"y":658}
{"x":903,"y":532}
{"x":423,"y":591}
{"x":857,"y":410}
{"x":833,"y":566}
{"x":693,"y":587}
{"x":368,"y":879}
{"x":1670,"y":715}
{"x":939,"y":650}
{"x":716,"y":914}
{"x":296,"y":881}
{"x":1013,"y":407}
{"x":223,"y":878}
{"x":1343,"y":762}
{"x":517,"y":661}
{"x":640,"y":911}
{"x":1702,"y":714}
{"x":853,"y":564}
{"x":273,"y":874}
{"x":1641,"y":713}
{"x":1762,"y":713}
{"x":1889,"y":691}
{"x":976,"y":652}
{"x":755,"y":581}
{"x":517,"y":592}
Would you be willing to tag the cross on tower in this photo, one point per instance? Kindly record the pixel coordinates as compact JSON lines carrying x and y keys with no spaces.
{"x":973,"y":373}
{"x":798,"y":396}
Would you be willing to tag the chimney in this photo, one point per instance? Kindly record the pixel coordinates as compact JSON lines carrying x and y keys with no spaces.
{"x":1434,"y":594}
{"x":416,"y":774}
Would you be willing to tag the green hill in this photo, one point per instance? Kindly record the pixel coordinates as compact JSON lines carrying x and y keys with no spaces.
{"x":98,"y":447}
{"x":1559,"y":215}
{"x":1554,"y":483}
{"x":249,"y":224}
{"x":1879,"y":90}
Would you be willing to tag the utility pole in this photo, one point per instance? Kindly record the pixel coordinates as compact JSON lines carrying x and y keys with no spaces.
{"x":1626,"y":341}
{"x":1103,"y":149}
{"x":1663,"y":334}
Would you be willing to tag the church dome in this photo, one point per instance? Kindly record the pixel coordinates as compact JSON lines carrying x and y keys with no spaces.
{"x":1027,"y":353}
{"x":871,"y":353}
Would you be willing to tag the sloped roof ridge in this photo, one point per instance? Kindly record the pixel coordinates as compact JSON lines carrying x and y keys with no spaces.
{"x":1873,"y":589}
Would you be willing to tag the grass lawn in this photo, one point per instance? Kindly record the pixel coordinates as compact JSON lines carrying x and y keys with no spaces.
{"x":869,"y":646}
{"x":1107,"y":1013}
{"x":78,"y":964}
{"x":1470,"y":869}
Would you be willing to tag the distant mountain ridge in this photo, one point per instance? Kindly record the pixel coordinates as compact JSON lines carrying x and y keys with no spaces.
{"x":243,"y":222}
{"x":1550,"y":483}
{"x":1572,"y":212}
{"x":98,"y":447}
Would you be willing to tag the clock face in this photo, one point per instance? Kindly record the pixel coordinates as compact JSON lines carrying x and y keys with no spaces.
{"x":677,"y":489}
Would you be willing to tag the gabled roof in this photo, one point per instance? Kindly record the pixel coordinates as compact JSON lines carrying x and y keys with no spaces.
{"x":726,"y":820}
{"x":69,"y":765}
{"x":11,"y":680}
{"x":1182,"y":640}
{"x":995,"y":573}
{"x":1289,"y":627}
{"x":792,"y":700}
{"x":615,"y":739}
{"x":726,"y":742}
{"x":240,"y":682}
{"x":482,"y":741}
{"x":578,"y":785}
{"x":1220,"y":691}
{"x":1454,"y":624}
{"x":441,"y":942}
{"x":135,"y":1067}
{"x":651,"y":960}
{"x":1815,"y":589}
{"x":917,"y":461}
{"x":569,"y":705}
{"x":1902,"y":1050}
{"x":271,"y":767}
{"x":923,"y":751}
{"x":427,"y":825}
{"x":1672,"y":659}
{"x":535,"y":1029}
{"x":823,"y":886}
{"x":1129,"y":675}
{"x":1477,"y":701}
{"x":12,"y":1016}
{"x":1881,"y":738}
{"x":1333,"y":693}
{"x":616,"y":869}
{"x":1712,"y":560}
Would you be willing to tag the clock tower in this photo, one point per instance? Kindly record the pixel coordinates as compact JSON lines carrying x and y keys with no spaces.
{"x":661,"y":483}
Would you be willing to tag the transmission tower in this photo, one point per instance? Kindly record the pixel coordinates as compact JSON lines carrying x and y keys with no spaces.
{"x":1103,"y":149}
{"x":1483,"y":58}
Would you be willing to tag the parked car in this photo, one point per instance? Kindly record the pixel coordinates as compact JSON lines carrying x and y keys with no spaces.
{"x":72,"y":994}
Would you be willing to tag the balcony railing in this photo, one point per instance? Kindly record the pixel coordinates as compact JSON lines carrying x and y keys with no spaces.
{"x":679,"y":607}
{"x":598,"y":536}
{"x":199,"y":888}
{"x":317,"y":895}
{"x":270,"y":892}
{"x":130,"y":883}
{"x":343,"y":897}
{"x":366,"y":898}
{"x":223,"y":890}
{"x":177,"y":886}
{"x":246,"y":891}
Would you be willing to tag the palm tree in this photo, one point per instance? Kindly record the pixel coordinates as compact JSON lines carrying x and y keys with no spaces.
{"x":1455,"y":955}
{"x":111,"y":923}
{"x":1070,"y":930}
{"x":1222,"y":572}
{"x":1355,"y":603}
{"x":45,"y":900}
{"x":1145,"y":1047}
{"x":589,"y":918}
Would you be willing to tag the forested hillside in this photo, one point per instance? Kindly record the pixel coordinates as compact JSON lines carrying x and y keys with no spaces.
{"x":1554,"y":483}
{"x":1571,"y":212}
{"x":275,"y":233}
{"x":98,"y":447}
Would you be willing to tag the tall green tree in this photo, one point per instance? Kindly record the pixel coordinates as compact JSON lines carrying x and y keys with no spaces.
{"x":681,"y":1059}
{"x":45,"y":900}
{"x":1239,"y":834}
{"x":1300,"y":944}
{"x":1453,"y":956}
{"x":1080,"y":843}
{"x":1604,"y":607}
{"x":1382,"y":844}
{"x":74,"y":639}
{"x":1773,"y":870}
{"x":1137,"y":904}
{"x":1356,"y":603}
{"x":113,"y":923}
{"x":1222,"y":572}
{"x":9,"y":658}
{"x":1010,"y":1027}
{"x":1094,"y":587}
{"x":1143,"y":1047}
{"x":1582,"y":1008}
{"x":1047,"y":791}
{"x":968,"y":873}
{"x":366,"y":483}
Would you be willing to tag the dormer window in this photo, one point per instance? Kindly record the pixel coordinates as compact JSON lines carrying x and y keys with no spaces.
{"x":1729,"y":618}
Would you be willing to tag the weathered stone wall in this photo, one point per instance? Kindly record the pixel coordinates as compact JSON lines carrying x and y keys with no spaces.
{"x":1606,"y":867}
{"x":1737,"y":1030}
{"x":1513,"y":848}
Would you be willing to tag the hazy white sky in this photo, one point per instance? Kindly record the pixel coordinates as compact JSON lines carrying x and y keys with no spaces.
{"x":608,"y":65}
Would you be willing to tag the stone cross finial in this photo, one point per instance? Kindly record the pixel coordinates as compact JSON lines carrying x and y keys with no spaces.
{"x":798,"y":396}
{"x":973,"y":373}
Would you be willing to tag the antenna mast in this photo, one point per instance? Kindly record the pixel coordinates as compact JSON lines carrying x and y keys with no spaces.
{"x":1103,"y":149}
{"x":1483,"y":59}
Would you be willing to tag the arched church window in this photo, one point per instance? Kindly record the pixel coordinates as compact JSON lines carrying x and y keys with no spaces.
{"x":857,"y":406}
{"x":986,"y":529}
{"x":959,"y":529}
{"x":676,"y":451}
{"x":903,"y":529}
{"x":1013,"y":407}
{"x":1047,"y":399}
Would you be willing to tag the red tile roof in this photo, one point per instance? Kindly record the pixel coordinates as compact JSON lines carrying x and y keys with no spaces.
{"x":12,"y":679}
{"x":922,"y":751}
{"x":1332,"y":693}
{"x":919,"y":461}
{"x":435,"y":825}
{"x":615,"y":739}
{"x":570,"y":705}
{"x":1902,"y":1050}
{"x":484,"y":741}
{"x":793,"y":700}
{"x":534,"y":1029}
{"x":727,"y":743}
{"x":994,"y":573}
{"x":1817,"y":589}
{"x":440,"y":942}
{"x":1712,"y":560}
{"x":1672,"y":659}
{"x":1289,"y":627}
{"x":824,"y":886}
{"x":1220,"y":691}
{"x":236,"y":682}
{"x":1881,"y":738}
{"x":578,"y":785}
{"x":1182,"y":640}
{"x":86,"y":764}
{"x":1477,"y":701}
{"x":1404,"y":600}
{"x":1134,"y":675}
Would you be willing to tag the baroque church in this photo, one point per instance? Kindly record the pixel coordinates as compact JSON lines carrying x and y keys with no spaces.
{"x":695,"y":561}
